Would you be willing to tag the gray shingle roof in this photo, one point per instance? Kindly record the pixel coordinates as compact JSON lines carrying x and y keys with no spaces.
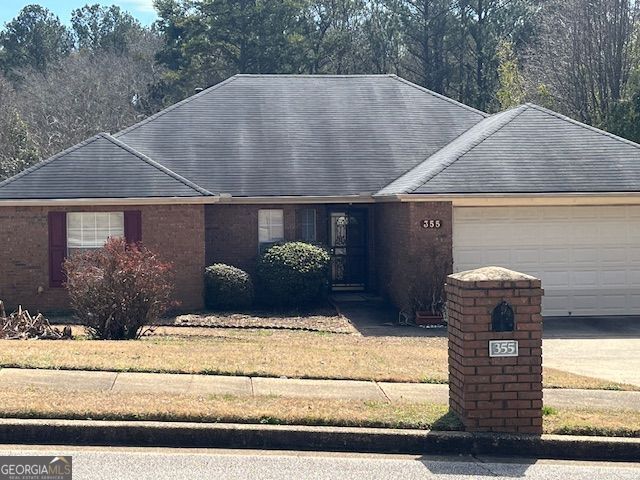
{"x":100,"y":167}
{"x":264,"y":135}
{"x":528,"y":149}
{"x":283,"y":135}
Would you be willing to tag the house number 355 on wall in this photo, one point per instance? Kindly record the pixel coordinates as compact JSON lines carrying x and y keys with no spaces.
{"x":431,"y":223}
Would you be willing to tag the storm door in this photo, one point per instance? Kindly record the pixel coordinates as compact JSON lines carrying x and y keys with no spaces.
{"x":348,"y":248}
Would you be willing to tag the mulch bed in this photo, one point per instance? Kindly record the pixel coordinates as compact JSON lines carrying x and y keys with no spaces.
{"x":323,"y":320}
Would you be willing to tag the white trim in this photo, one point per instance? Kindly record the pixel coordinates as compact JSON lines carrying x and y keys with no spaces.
{"x":524,"y":200}
{"x":222,"y":198}
{"x":462,"y":200}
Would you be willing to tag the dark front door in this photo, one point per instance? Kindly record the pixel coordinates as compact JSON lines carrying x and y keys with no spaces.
{"x":348,"y":248}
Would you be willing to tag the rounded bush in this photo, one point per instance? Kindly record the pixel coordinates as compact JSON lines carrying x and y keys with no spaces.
{"x":293,"y":274}
{"x":227,"y":287}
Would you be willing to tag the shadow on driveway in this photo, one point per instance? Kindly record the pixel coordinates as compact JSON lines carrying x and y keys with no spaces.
{"x":373,"y":317}
{"x":592,"y":327}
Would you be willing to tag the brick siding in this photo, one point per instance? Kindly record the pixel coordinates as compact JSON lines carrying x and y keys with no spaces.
{"x":495,"y":394}
{"x":232,"y":232}
{"x":192,"y":236}
{"x":404,"y":250}
{"x":175,"y":232}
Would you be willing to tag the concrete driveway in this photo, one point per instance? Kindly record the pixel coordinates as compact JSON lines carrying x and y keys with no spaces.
{"x":601,"y":347}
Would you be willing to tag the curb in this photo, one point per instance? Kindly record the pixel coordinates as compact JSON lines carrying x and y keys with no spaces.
{"x":337,"y":439}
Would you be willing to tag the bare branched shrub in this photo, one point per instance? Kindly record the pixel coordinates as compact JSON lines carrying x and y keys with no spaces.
{"x":117,"y":290}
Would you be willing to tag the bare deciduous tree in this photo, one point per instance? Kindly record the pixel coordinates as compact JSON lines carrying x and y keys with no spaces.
{"x":17,"y":147}
{"x":583,"y":56}
{"x":87,"y":93}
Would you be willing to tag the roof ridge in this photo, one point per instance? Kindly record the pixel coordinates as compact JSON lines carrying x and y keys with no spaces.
{"x":439,"y":95}
{"x":316,"y":75}
{"x":581,"y":124}
{"x":175,"y":105}
{"x":159,"y":166}
{"x":47,"y":161}
{"x":426,"y":171}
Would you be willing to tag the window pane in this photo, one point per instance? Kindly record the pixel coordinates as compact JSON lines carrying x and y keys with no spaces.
{"x":89,"y":230}
{"x":116,"y":222}
{"x":308,"y":225}
{"x":86,"y":230}
{"x":74,"y":230}
{"x":263,"y":234}
{"x":270,"y":225}
{"x":276,"y":230}
{"x":102,"y":228}
{"x":277,"y":233}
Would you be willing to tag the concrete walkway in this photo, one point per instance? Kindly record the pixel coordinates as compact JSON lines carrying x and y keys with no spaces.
{"x":161,"y":383}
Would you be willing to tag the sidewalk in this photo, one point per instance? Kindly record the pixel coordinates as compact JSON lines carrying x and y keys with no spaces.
{"x":285,"y":387}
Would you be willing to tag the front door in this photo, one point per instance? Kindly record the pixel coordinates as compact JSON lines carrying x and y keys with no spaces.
{"x":348,"y":248}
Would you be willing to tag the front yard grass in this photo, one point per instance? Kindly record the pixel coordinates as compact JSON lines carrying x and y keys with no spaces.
{"x":44,"y":403}
{"x":261,"y":352}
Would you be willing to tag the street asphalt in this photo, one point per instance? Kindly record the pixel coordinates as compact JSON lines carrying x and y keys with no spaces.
{"x":93,"y":463}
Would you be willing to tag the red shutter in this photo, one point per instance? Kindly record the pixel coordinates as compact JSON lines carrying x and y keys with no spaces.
{"x":133,"y":226}
{"x":57,"y":247}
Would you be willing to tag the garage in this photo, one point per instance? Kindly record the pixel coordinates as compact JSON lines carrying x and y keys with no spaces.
{"x":588,"y":257}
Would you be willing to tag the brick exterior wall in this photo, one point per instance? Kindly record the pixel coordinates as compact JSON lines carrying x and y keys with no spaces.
{"x":495,"y":394}
{"x":175,"y":232}
{"x":192,"y":236}
{"x":232,"y":231}
{"x":405,"y":251}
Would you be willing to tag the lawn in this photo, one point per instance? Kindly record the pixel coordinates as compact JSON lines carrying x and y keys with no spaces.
{"x":261,"y":352}
{"x":41,"y":403}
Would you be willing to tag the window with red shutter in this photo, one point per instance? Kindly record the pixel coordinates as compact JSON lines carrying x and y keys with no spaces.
{"x":133,"y":226}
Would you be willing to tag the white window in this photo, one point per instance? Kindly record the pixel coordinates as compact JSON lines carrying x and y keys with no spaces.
{"x":90,"y":230}
{"x":308,"y":225}
{"x":270,"y":226}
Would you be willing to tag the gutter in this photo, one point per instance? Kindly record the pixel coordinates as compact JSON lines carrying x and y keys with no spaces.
{"x":86,"y":202}
{"x":520,"y":199}
{"x":457,"y":200}
{"x":199,"y":200}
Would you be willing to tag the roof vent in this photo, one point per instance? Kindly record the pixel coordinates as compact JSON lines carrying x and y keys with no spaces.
{"x":198,"y":89}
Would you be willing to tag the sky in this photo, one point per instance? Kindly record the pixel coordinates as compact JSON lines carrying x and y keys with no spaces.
{"x":140,"y":9}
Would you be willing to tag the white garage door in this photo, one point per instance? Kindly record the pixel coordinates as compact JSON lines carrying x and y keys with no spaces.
{"x":588,"y":258}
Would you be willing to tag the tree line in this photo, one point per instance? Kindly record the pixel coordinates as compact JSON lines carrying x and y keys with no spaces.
{"x":60,"y":83}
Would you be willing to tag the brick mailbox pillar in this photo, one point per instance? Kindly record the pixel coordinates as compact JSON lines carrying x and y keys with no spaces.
{"x":495,"y":350}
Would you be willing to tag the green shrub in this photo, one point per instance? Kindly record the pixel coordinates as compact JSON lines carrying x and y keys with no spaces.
{"x":293,"y":274}
{"x":227,"y":287}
